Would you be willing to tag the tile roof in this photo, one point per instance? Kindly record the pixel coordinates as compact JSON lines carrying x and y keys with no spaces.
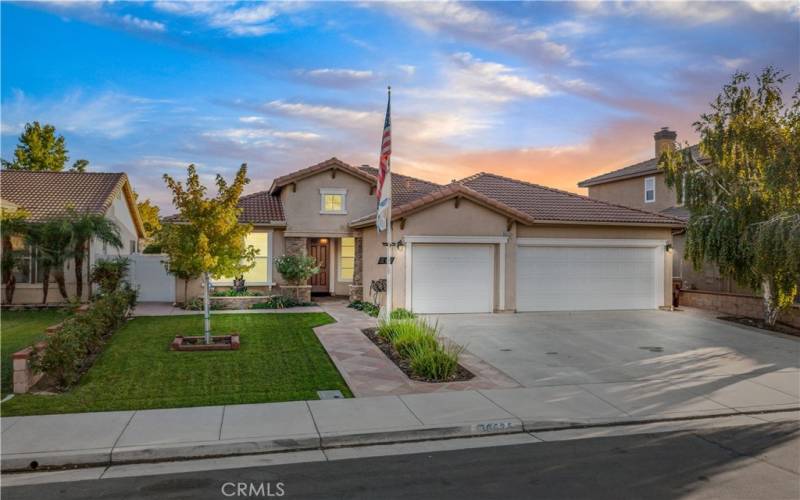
{"x":548,"y":204}
{"x":257,"y":208}
{"x":444,"y":193}
{"x":404,"y":188}
{"x":681,"y":213}
{"x":331,"y":163}
{"x":636,"y":170}
{"x":46,"y":195}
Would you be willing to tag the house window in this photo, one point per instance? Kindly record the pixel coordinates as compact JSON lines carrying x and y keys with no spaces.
{"x":28,"y":268}
{"x":347,"y":259}
{"x":260,"y":272}
{"x":333,"y":201}
{"x":649,"y":189}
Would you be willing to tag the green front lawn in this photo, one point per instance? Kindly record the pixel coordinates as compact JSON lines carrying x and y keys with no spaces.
{"x":19,"y":329}
{"x":280,"y":359}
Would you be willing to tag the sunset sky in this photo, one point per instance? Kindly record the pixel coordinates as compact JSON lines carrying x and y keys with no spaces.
{"x":547,"y":92}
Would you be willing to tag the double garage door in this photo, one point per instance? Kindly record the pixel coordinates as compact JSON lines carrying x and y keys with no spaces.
{"x":460,"y":278}
{"x":586,"y":278}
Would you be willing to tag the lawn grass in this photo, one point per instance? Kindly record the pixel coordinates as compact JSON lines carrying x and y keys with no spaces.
{"x":280,"y":359}
{"x":19,"y":329}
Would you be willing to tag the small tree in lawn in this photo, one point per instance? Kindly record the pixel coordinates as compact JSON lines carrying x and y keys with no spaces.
{"x":744,"y":194}
{"x":212,"y":230}
{"x":178,"y":240}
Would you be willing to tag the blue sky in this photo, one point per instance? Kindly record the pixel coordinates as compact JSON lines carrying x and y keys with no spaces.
{"x":549,"y":92}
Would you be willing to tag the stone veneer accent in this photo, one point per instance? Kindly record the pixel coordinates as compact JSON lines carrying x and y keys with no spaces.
{"x":295,"y":245}
{"x":736,"y":304}
{"x":235,"y":303}
{"x":301,"y":293}
{"x":357,"y":288}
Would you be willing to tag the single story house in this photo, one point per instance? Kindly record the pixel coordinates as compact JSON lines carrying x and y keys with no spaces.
{"x":48,"y":195}
{"x":480,"y":244}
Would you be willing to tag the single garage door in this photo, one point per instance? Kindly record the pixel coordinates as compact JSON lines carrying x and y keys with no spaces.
{"x":451,"y":278}
{"x":564,"y":278}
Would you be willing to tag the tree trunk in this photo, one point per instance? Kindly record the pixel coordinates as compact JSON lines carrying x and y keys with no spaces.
{"x":79,"y":256}
{"x":62,"y":286}
{"x":206,"y":310}
{"x":771,"y":309}
{"x":11,"y":285}
{"x":185,"y":293}
{"x":45,"y":283}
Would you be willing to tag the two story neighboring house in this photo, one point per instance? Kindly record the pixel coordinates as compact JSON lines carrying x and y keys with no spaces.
{"x":480,"y":244}
{"x":48,"y":195}
{"x":643,"y":186}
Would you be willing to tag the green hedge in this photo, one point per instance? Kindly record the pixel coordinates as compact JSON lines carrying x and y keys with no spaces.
{"x":82,"y":336}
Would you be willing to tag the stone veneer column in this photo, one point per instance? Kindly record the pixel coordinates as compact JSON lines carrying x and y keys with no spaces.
{"x":357,"y":287}
{"x":295,"y":245}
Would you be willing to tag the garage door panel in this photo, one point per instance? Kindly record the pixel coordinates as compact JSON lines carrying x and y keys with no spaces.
{"x":450,"y":278}
{"x":585,"y":278}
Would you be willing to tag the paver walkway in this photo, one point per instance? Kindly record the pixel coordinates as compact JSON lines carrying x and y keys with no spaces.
{"x":369,"y":372}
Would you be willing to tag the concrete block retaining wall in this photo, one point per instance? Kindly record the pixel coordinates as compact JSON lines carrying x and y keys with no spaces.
{"x":735,"y":304}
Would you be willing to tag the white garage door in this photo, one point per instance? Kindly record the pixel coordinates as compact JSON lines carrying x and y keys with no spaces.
{"x":564,"y":278}
{"x":451,"y":278}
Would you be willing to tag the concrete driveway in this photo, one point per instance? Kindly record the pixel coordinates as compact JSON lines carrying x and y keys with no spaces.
{"x":689,"y":349}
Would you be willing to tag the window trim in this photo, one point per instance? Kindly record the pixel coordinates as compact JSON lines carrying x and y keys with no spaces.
{"x":341,"y":255}
{"x":270,"y":276}
{"x":653,"y":180}
{"x":332,"y":191}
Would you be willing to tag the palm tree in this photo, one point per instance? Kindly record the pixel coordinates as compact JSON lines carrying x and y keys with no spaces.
{"x":84,"y":227}
{"x":12,"y":224}
{"x":51,"y":240}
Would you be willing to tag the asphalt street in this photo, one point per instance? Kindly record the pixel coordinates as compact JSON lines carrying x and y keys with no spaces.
{"x":752,"y":462}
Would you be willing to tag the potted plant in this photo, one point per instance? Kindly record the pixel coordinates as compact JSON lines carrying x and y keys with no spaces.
{"x":296,"y":270}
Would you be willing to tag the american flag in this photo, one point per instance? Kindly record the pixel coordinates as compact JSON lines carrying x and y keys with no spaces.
{"x":384,"y":173}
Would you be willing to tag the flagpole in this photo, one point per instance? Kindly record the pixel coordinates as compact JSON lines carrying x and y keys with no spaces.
{"x":389,"y":233}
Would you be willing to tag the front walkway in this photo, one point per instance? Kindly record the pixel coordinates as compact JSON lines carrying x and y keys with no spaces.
{"x":369,"y":372}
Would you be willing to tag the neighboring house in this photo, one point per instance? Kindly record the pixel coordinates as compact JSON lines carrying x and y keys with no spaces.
{"x":47,"y":195}
{"x":642,"y":186}
{"x":485,"y":243}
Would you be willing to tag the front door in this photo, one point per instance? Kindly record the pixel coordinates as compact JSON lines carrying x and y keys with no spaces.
{"x":318,"y":249}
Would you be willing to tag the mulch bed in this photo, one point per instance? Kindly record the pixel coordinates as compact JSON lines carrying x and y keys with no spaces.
{"x":388,"y":349}
{"x":759,"y":323}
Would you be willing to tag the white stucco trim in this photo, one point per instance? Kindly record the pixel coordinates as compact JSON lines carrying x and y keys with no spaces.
{"x":478,"y":240}
{"x":456,"y":239}
{"x":323,"y":192}
{"x":590,"y":242}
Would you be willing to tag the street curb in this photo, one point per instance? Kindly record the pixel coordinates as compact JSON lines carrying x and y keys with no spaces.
{"x":325,"y":440}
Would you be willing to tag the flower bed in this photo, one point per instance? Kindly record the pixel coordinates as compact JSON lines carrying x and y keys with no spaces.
{"x":71,"y":349}
{"x":415,"y":347}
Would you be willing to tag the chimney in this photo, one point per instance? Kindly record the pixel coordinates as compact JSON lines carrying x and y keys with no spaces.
{"x":665,"y":140}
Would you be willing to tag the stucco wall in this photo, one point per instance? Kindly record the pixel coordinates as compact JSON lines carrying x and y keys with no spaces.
{"x":471,"y":219}
{"x":630,"y":192}
{"x":302,"y":208}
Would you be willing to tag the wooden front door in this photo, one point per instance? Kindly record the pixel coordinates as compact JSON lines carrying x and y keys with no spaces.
{"x":318,"y":249}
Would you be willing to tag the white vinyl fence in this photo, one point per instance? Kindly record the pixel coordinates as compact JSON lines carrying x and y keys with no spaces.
{"x":148,"y":274}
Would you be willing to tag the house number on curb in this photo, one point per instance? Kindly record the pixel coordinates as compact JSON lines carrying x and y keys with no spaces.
{"x":494,"y":426}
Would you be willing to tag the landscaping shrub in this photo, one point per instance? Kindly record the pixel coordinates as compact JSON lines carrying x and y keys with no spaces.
{"x":109,"y":273}
{"x":237,"y":293}
{"x":82,"y":336}
{"x":367,"y":307}
{"x":401,"y":313}
{"x":296,"y":269}
{"x":280,"y":302}
{"x":440,"y":363}
{"x":418,"y":341}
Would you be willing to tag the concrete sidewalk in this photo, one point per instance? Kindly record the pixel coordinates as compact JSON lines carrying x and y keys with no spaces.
{"x":150,"y":435}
